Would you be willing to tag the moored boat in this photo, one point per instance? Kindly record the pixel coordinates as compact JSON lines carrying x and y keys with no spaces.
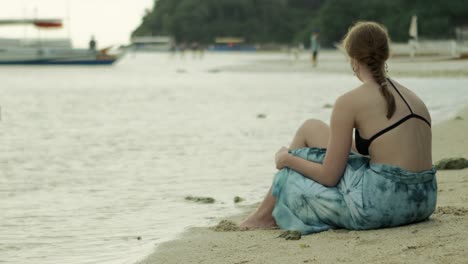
{"x":50,"y":51}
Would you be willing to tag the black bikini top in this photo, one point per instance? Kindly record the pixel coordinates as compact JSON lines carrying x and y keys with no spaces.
{"x":362,"y":144}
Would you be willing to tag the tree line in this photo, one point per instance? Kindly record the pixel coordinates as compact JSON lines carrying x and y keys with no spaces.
{"x":292,"y":21}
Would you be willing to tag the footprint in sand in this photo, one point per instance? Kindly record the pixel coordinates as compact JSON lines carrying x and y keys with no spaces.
{"x":229,"y":226}
{"x":413,"y":247}
{"x":226,"y":226}
{"x":291,"y":235}
{"x":441,"y":210}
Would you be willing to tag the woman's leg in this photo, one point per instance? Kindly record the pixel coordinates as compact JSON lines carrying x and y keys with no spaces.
{"x":313,"y":133}
{"x":261,"y":217}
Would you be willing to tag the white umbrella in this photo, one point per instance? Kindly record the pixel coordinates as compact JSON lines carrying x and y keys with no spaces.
{"x":413,"y":30}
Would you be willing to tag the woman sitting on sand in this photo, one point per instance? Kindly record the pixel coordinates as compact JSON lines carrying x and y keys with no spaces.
{"x":324,"y":184}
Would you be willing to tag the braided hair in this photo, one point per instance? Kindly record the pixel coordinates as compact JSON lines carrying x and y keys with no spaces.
{"x":367,"y":42}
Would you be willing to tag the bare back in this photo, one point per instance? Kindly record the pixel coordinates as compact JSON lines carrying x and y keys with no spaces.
{"x":407,"y":145}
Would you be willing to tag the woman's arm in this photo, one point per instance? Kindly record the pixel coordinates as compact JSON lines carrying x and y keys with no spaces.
{"x":329,"y":173}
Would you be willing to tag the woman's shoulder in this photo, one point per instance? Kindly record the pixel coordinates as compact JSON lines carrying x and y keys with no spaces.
{"x":349,"y":102}
{"x":416,"y":102}
{"x":357,"y":96}
{"x":359,"y":100}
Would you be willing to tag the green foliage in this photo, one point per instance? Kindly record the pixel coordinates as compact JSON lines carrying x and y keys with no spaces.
{"x":292,"y":21}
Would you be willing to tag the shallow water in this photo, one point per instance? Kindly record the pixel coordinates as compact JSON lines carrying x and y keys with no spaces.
{"x":93,"y":158}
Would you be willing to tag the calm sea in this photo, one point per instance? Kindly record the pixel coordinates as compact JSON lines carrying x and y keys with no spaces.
{"x":95,"y":162}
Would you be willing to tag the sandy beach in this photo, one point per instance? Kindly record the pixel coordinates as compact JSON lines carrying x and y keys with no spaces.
{"x":441,"y":239}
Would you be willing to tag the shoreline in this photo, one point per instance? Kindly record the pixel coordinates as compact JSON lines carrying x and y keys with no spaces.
{"x":441,"y":239}
{"x":334,"y":61}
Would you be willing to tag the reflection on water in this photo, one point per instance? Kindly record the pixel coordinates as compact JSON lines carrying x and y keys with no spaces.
{"x":92,"y":159}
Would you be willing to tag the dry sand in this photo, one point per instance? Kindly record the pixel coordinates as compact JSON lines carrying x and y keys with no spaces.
{"x":441,"y":239}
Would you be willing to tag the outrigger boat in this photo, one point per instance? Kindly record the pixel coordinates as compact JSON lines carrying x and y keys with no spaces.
{"x":50,"y":51}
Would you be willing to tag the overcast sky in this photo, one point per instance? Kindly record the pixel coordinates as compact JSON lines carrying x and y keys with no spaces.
{"x":111,"y":21}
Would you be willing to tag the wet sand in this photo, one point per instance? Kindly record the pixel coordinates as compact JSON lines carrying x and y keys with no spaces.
{"x":333,"y":61}
{"x":441,"y":239}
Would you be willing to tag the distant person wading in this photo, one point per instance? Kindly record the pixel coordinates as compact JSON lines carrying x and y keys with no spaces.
{"x":382,"y":178}
{"x":314,"y":47}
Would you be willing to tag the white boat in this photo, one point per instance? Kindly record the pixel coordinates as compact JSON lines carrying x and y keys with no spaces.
{"x":50,"y":51}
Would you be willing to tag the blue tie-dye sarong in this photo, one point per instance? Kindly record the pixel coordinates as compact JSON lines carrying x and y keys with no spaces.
{"x":368,"y":196}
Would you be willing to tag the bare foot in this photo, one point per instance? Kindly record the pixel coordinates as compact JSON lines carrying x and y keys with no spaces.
{"x":252,"y":222}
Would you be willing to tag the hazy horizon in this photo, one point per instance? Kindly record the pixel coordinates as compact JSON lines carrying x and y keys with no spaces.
{"x":111,"y":22}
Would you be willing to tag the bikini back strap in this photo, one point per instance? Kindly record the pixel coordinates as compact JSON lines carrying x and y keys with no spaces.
{"x":383,"y":131}
{"x":411,"y":110}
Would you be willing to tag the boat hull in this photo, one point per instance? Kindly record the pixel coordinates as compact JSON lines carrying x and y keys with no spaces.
{"x":55,"y":56}
{"x":61,"y":62}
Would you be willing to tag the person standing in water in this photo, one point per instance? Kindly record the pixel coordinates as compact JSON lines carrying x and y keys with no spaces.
{"x":314,"y":47}
{"x":92,"y":44}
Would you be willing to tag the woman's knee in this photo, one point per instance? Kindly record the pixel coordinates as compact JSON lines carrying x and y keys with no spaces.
{"x":312,"y":133}
{"x":314,"y":125}
{"x":316,"y":133}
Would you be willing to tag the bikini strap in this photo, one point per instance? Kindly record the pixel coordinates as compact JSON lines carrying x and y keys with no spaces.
{"x":411,"y":110}
{"x":383,"y":131}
